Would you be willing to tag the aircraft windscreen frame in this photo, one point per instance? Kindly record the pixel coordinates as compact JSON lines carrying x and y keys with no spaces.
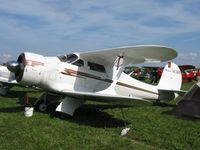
{"x":69,"y":58}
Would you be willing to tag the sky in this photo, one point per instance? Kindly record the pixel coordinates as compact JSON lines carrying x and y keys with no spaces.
{"x":55,"y":27}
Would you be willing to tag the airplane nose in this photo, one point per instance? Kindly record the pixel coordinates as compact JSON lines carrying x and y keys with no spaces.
{"x":13,"y":66}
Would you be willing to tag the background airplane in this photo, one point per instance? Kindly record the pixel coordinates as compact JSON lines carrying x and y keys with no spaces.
{"x":97,"y":76}
{"x":7,"y":79}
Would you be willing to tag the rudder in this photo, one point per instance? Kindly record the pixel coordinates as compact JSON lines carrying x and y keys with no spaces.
{"x":171,"y":78}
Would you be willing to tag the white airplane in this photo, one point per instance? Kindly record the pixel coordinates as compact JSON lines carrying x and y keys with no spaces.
{"x":7,"y":79}
{"x":97,"y":76}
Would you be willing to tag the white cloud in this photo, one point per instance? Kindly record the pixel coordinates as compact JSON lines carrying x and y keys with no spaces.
{"x":51,"y":25}
{"x":5,"y":58}
{"x":192,"y":54}
{"x":74,"y":16}
{"x":190,"y":58}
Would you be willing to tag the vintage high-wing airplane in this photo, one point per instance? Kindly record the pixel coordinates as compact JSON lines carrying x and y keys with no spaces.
{"x":97,"y":75}
{"x":7,"y":79}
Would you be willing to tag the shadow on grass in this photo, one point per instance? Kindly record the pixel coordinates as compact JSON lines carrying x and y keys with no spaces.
{"x":92,"y":115}
{"x":12,"y":109}
{"x":179,"y":116}
{"x":18,"y":97}
{"x":88,"y":114}
{"x":162,"y":104}
{"x":18,"y":94}
{"x":16,"y":108}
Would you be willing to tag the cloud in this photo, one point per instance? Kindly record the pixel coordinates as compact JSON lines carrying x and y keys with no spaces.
{"x":5,"y":58}
{"x":188,"y":58}
{"x":46,"y":26}
{"x":122,"y":18}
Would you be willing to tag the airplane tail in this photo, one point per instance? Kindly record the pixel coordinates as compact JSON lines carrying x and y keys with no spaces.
{"x":170,"y":82}
{"x":171,"y":78}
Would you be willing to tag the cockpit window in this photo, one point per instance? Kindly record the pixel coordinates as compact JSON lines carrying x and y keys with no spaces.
{"x":79,"y":63}
{"x":68,"y":58}
{"x":96,"y":67}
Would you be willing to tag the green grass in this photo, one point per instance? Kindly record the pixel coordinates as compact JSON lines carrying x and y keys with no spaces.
{"x":95,"y":126}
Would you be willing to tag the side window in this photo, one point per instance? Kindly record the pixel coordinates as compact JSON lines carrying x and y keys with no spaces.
{"x":96,"y":67}
{"x":79,"y":63}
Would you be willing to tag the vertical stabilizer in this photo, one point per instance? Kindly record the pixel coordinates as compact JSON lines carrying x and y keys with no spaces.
{"x":171,"y":78}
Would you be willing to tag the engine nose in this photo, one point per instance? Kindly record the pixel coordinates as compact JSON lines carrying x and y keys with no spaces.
{"x":28,"y":69}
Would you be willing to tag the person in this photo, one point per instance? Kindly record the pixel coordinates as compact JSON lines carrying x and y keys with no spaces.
{"x":154,"y":76}
{"x":26,"y":100}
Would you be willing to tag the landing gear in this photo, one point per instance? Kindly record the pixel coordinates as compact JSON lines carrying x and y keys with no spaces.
{"x":46,"y":102}
{"x":41,"y":103}
{"x":42,"y":107}
{"x":158,"y":101}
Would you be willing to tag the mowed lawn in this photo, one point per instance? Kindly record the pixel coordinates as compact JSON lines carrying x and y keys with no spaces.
{"x":95,"y":126}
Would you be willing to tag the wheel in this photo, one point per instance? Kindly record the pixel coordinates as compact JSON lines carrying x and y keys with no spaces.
{"x":158,"y":101}
{"x":42,"y":107}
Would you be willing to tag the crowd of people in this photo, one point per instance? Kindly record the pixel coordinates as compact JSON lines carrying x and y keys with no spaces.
{"x":154,"y":74}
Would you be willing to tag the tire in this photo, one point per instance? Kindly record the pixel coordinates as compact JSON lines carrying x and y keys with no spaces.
{"x":42,"y":107}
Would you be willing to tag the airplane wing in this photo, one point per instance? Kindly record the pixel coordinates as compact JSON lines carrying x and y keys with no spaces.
{"x":101,"y":97}
{"x":5,"y":85}
{"x":6,"y":76}
{"x":7,"y":81}
{"x":73,"y":99}
{"x":132,"y":54}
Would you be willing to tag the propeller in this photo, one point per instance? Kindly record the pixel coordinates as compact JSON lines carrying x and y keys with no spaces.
{"x":17,"y":67}
{"x":13,"y":66}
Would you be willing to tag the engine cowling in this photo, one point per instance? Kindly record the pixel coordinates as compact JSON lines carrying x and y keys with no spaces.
{"x":31,"y":68}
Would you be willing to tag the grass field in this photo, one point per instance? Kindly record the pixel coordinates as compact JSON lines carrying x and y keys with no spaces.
{"x":95,"y":126}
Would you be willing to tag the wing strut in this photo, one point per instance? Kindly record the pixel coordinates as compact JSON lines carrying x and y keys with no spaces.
{"x":117,"y":69}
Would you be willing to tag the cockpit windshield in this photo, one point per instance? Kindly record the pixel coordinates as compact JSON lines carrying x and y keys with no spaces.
{"x":69,"y":58}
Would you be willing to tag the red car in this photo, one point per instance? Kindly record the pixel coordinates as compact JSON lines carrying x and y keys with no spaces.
{"x":188,"y":77}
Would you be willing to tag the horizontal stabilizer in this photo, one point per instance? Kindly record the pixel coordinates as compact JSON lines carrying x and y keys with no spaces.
{"x":170,"y":94}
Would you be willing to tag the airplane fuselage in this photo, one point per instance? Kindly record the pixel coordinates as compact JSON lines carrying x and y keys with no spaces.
{"x":55,"y":75}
